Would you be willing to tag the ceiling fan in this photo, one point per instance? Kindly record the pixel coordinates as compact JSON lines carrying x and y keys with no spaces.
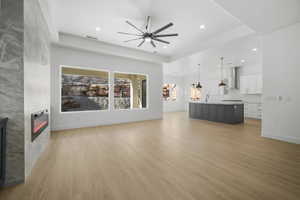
{"x":146,"y":35}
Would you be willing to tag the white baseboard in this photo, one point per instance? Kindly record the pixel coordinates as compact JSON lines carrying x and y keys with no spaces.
{"x":61,"y":127}
{"x":285,"y":138}
{"x":168,"y":111}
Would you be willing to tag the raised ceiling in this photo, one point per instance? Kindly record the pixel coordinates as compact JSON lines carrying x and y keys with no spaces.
{"x":81,"y":17}
{"x":264,"y":16}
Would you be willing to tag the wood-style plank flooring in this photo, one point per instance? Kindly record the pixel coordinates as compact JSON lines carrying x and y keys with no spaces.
{"x":175,"y":158}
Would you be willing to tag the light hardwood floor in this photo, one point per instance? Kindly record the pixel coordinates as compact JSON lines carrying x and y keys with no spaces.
{"x":175,"y":158}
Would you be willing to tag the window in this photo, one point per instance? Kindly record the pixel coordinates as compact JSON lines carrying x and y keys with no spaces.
{"x":169,"y":92}
{"x":84,"y":90}
{"x":130,"y":91}
{"x":195,"y":93}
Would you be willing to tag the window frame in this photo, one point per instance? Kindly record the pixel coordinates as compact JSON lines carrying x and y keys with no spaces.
{"x":113,"y":91}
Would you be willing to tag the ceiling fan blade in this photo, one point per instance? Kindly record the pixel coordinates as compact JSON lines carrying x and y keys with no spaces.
{"x":129,"y":34}
{"x":128,"y":22}
{"x":159,"y":40}
{"x":148,"y":26}
{"x":141,"y":43}
{"x":153,"y":44}
{"x":167,"y":35}
{"x":133,"y":39}
{"x":162,"y":28}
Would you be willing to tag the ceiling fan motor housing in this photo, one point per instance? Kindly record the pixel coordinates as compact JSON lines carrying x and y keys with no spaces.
{"x":147,"y":36}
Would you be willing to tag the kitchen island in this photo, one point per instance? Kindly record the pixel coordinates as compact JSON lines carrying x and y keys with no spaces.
{"x":225,"y":112}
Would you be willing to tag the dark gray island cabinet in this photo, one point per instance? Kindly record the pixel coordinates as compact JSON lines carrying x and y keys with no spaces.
{"x":230,"y":113}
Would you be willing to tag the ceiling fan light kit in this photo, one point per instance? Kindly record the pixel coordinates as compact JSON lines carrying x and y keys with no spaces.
{"x":147,"y":36}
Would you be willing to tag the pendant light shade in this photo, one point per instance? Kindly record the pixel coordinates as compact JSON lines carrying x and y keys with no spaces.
{"x":198,"y":86}
{"x":222,"y":84}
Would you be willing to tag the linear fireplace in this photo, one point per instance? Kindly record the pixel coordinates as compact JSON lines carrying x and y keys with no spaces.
{"x":3,"y":123}
{"x":39,"y":122}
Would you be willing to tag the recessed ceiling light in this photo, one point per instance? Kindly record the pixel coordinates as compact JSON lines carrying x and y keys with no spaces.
{"x":98,"y":29}
{"x":254,"y":49}
{"x":202,"y":27}
{"x":242,"y":61}
{"x":165,"y":47}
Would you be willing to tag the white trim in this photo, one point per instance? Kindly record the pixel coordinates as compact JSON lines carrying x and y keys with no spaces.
{"x":85,"y":68}
{"x":59,"y":128}
{"x":131,"y":95}
{"x":147,"y":91}
{"x":285,"y":138}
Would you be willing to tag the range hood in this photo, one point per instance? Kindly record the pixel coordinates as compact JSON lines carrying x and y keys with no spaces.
{"x":235,"y":77}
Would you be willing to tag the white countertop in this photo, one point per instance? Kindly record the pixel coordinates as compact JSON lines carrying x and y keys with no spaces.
{"x":219,"y":102}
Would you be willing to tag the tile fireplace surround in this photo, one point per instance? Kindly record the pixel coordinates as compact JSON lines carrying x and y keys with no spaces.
{"x":24,"y":76}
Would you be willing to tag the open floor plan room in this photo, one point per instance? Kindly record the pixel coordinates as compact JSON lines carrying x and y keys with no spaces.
{"x":174,"y":158}
{"x":149,"y":100}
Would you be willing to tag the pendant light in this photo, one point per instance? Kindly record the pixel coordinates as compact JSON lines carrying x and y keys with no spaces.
{"x":199,"y":86}
{"x":222,"y":84}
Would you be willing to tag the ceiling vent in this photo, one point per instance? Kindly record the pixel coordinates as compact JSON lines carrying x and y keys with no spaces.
{"x":91,"y":37}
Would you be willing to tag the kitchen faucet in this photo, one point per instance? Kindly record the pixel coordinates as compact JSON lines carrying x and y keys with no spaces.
{"x":206,"y":98}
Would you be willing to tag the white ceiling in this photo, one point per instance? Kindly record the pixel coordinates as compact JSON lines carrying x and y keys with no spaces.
{"x":81,"y":17}
{"x":264,"y":16}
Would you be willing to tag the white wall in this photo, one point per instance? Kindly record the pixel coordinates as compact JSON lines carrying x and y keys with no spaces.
{"x":72,"y":57}
{"x":178,"y":105}
{"x":48,"y":11}
{"x":281,"y":68}
{"x":36,"y":78}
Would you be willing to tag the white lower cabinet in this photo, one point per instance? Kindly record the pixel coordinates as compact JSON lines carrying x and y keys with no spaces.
{"x":253,"y":110}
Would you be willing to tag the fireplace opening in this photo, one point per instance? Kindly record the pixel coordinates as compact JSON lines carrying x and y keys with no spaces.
{"x":3,"y":123}
{"x":39,"y":122}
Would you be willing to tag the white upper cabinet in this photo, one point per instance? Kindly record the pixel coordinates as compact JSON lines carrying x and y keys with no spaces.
{"x":251,"y":84}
